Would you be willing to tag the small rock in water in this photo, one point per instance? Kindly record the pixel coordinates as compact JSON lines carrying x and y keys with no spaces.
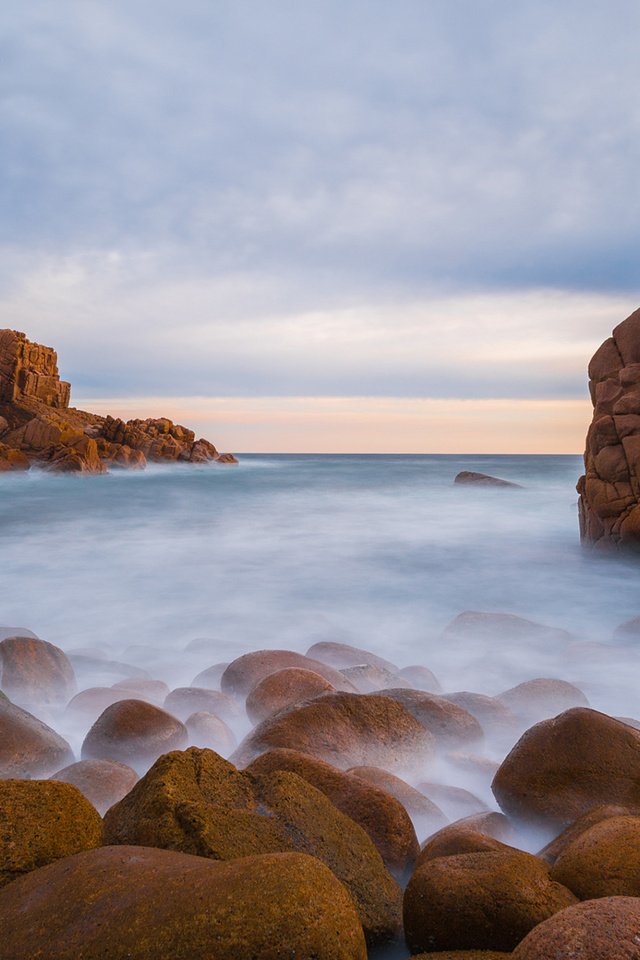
{"x":484,"y":480}
{"x":102,"y":782}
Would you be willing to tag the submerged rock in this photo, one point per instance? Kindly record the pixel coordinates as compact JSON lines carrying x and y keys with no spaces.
{"x":132,"y":732}
{"x":28,"y":747}
{"x":483,"y":480}
{"x":35,"y":672}
{"x":102,"y":782}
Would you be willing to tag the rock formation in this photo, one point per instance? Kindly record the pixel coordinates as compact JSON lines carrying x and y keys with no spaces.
{"x":37,"y":425}
{"x":609,"y":491}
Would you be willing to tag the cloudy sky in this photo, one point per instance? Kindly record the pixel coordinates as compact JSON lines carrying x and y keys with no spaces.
{"x":324,"y":224}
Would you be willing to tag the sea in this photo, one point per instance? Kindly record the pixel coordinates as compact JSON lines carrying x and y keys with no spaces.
{"x":177,"y":566}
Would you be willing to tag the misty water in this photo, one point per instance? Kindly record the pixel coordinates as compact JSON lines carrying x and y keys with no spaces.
{"x":281,"y":551}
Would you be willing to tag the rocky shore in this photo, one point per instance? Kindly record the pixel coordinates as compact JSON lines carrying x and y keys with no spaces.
{"x":38,"y":427}
{"x":316,"y":806}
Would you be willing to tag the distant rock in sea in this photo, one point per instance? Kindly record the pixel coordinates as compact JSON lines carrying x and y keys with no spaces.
{"x":484,"y":480}
{"x":609,"y":504}
{"x":37,"y":425}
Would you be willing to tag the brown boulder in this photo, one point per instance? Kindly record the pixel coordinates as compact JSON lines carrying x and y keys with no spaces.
{"x":538,"y":699}
{"x":554,"y":848}
{"x":183,"y":701}
{"x":455,"y":802}
{"x":602,"y":861}
{"x":421,"y":678}
{"x":133,"y":732}
{"x":345,"y":730}
{"x":144,"y":904}
{"x":481,"y":901}
{"x":426,"y":815}
{"x":341,"y":655}
{"x":196,"y":802}
{"x":495,"y":717}
{"x":284,"y":689}
{"x":243,"y":673}
{"x":90,"y":703}
{"x":35,"y":672}
{"x":451,"y":725}
{"x":459,"y":838}
{"x":28,"y":747}
{"x":368,"y":679}
{"x":462,"y":955}
{"x":483,"y":480}
{"x":153,"y":691}
{"x":207,"y":730}
{"x":102,"y":782}
{"x":604,"y":929}
{"x":42,"y":821}
{"x":211,"y":677}
{"x":382,"y":816}
{"x":562,"y":767}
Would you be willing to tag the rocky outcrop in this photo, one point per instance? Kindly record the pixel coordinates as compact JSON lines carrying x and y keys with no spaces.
{"x":37,"y":425}
{"x":609,"y":491}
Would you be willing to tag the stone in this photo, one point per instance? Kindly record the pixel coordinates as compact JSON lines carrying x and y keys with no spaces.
{"x":562,"y":767}
{"x":481,"y":901}
{"x":243,"y":673}
{"x":28,"y":747}
{"x":380,"y":814}
{"x":603,"y":860}
{"x":494,"y":716}
{"x":42,"y":821}
{"x":459,"y":838}
{"x":502,"y":628}
{"x":211,"y":677}
{"x":196,"y":802}
{"x":102,"y":782}
{"x":153,"y":691}
{"x":451,"y":725}
{"x":462,"y":955}
{"x":30,"y":370}
{"x":369,"y":679}
{"x":144,"y":904}
{"x":609,"y":490}
{"x":554,"y":848}
{"x":421,"y":678}
{"x":455,"y":802}
{"x":208,"y":730}
{"x":345,"y":730}
{"x":471,"y":477}
{"x":133,"y":732}
{"x":284,"y":689}
{"x":90,"y":703}
{"x":183,"y":701}
{"x":426,"y":815}
{"x":341,"y":655}
{"x":539,"y":699}
{"x":605,"y":929}
{"x":35,"y":672}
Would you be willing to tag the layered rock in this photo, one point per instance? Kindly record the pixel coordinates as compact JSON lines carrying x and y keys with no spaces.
{"x":609,"y":504}
{"x":37,"y":425}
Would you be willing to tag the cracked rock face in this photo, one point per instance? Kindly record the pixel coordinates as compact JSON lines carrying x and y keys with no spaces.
{"x":609,"y":503}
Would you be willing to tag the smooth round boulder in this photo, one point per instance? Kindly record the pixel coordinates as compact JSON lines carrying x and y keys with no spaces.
{"x":479,"y":901}
{"x":345,"y":730}
{"x":196,"y":802}
{"x":602,"y":861}
{"x":284,"y":689}
{"x":28,"y":747}
{"x":605,"y":929}
{"x":455,"y":802}
{"x":183,"y":701}
{"x":211,"y":677}
{"x":426,"y":815}
{"x":246,"y":671}
{"x":368,"y":679}
{"x":102,"y":782}
{"x":451,"y":725}
{"x":143,"y":904}
{"x":381,"y":815}
{"x":495,"y":717}
{"x":554,"y":848}
{"x":208,"y":730}
{"x":456,"y":839}
{"x":133,"y":732}
{"x":35,"y":672}
{"x":562,"y":767}
{"x":539,"y":699}
{"x":153,"y":691}
{"x":90,"y":703}
{"x":341,"y":655}
{"x":462,"y":955}
{"x":42,"y":821}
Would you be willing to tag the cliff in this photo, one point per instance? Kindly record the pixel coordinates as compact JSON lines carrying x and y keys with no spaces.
{"x":37,"y":425}
{"x":609,"y":491}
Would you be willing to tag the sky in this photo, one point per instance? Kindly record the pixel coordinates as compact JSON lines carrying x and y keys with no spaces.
{"x":324,"y":225}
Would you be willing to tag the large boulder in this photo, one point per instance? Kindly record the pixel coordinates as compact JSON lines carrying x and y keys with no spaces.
{"x":284,"y":689}
{"x":35,"y":672}
{"x":28,"y":747}
{"x":544,"y":697}
{"x":183,"y":701}
{"x":133,"y":732}
{"x":243,"y":673}
{"x":196,"y":802}
{"x":426,"y":815}
{"x":42,"y":821}
{"x":345,"y":730}
{"x":562,"y":767}
{"x":208,"y":730}
{"x":459,"y":838}
{"x":609,"y":505}
{"x":552,"y":850}
{"x":451,"y":725}
{"x":341,"y":655}
{"x":481,"y":901}
{"x":603,"y":861}
{"x":102,"y":782}
{"x":144,"y":904}
{"x":604,"y":929}
{"x":380,"y":814}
